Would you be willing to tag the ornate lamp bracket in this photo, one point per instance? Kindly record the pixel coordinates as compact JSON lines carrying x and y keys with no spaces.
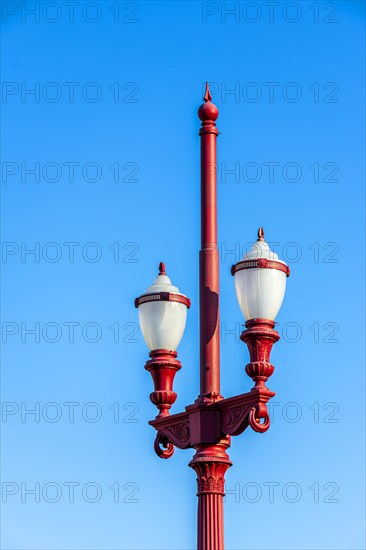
{"x":208,"y":423}
{"x":172,"y":431}
{"x":212,"y":423}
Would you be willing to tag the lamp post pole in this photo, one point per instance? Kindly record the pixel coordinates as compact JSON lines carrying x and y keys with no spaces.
{"x":210,"y":461}
{"x":209,"y":257}
{"x":208,"y":424}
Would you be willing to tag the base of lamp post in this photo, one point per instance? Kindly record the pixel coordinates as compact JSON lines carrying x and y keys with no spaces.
{"x":210,"y":464}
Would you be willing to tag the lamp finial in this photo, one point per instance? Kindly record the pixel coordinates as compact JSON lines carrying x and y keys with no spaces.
{"x":207,"y":96}
{"x":208,"y":112}
{"x":260,"y":234}
{"x":162,"y":269}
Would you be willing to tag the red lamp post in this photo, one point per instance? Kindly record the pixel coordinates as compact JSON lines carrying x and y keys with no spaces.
{"x":208,"y":424}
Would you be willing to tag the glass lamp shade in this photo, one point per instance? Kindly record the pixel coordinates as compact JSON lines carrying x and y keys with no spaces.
{"x":162,"y":313}
{"x":162,"y":324}
{"x":260,"y":281}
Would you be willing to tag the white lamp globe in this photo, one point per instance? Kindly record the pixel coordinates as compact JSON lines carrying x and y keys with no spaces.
{"x":260,"y":281}
{"x":162,"y":313}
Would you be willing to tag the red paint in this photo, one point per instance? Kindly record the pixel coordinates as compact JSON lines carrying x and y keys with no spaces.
{"x":163,"y":296}
{"x":209,"y":257}
{"x":260,"y":263}
{"x":210,"y":464}
{"x":163,"y":367}
{"x":259,"y":337}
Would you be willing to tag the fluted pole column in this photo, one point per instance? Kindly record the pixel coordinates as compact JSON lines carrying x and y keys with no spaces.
{"x":210,"y":464}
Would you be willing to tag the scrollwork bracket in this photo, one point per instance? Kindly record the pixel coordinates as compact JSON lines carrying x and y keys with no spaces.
{"x":173,"y":431}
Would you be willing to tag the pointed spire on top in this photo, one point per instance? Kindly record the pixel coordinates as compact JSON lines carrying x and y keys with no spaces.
{"x":162,"y":269}
{"x":208,"y":112}
{"x":207,"y":96}
{"x":260,"y":234}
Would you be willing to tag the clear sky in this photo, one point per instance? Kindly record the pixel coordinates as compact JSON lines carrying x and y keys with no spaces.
{"x":101,"y":181}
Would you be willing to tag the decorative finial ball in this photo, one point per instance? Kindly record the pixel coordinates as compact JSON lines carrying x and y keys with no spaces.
{"x":208,"y":111}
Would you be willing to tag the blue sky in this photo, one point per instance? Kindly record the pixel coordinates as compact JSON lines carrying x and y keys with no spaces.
{"x":111,"y":134}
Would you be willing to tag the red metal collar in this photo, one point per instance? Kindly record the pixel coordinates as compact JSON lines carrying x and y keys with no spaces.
{"x":164,"y":297}
{"x":260,"y":263}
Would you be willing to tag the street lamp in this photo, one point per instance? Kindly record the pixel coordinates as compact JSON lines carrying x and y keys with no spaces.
{"x":162,"y":315}
{"x":208,"y":424}
{"x":260,"y":281}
